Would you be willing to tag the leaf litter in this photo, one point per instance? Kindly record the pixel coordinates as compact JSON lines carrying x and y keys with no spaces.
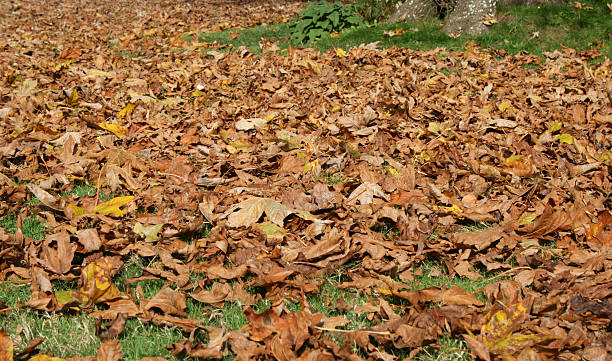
{"x":422,"y":142}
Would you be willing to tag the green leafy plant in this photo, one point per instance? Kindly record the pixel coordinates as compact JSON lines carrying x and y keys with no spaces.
{"x":321,"y":18}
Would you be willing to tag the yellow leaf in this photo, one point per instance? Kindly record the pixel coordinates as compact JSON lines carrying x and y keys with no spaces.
{"x":77,"y":211}
{"x":454,"y":209}
{"x":504,"y":105}
{"x":393,"y":171}
{"x":73,"y":99}
{"x":96,"y":285}
{"x":111,"y":207}
{"x":434,"y":127}
{"x":428,"y":154}
{"x":605,"y":157}
{"x":565,"y":138}
{"x":500,"y":331}
{"x":64,"y":297}
{"x":148,"y":232}
{"x":124,"y":113}
{"x":271,"y":230}
{"x":116,"y":129}
{"x":313,"y":167}
{"x":555,"y":126}
{"x":65,"y":64}
{"x":513,"y":159}
{"x":150,"y":32}
{"x":528,"y":219}
{"x":341,"y":52}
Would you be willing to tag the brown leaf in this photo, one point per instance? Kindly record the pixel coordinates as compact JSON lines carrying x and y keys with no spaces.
{"x":215,"y":296}
{"x":477,"y":347}
{"x":6,"y":347}
{"x":113,"y":329}
{"x":58,"y":260}
{"x":480,"y":240}
{"x":409,"y":336}
{"x":127,"y":307}
{"x":219,"y":271}
{"x":214,"y":350}
{"x":29,"y":350}
{"x":89,"y":239}
{"x":110,"y":350}
{"x":550,"y":221}
{"x":45,"y":197}
{"x":169,"y":301}
{"x":364,"y":194}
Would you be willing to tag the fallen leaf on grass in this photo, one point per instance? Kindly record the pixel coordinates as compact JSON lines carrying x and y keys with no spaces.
{"x":109,"y":350}
{"x":453,"y":296}
{"x":112,"y":329}
{"x":214,"y":350}
{"x":215,"y":296}
{"x":169,"y":301}
{"x":96,"y":286}
{"x":480,"y":240}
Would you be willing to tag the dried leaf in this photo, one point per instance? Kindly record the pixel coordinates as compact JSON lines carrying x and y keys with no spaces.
{"x":113,"y":329}
{"x":112,"y":207}
{"x":169,"y":301}
{"x":6,"y":347}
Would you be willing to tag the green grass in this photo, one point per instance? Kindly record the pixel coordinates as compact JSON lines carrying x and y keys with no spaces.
{"x":531,"y":29}
{"x":326,"y":300}
{"x":334,"y":178}
{"x":451,"y":349}
{"x":74,"y":335}
{"x":248,"y":37}
{"x":32,"y":227}
{"x":436,"y":275}
{"x":82,"y":190}
{"x":66,"y":335}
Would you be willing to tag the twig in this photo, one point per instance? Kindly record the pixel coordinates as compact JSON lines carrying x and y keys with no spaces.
{"x":348,"y":331}
{"x":98,"y":185}
{"x":10,"y":309}
{"x":509,"y":271}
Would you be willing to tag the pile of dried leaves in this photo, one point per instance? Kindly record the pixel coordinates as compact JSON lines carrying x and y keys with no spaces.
{"x":424,"y":142}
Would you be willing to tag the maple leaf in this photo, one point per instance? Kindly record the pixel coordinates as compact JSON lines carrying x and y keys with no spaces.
{"x":251,"y":209}
{"x":96,"y":286}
